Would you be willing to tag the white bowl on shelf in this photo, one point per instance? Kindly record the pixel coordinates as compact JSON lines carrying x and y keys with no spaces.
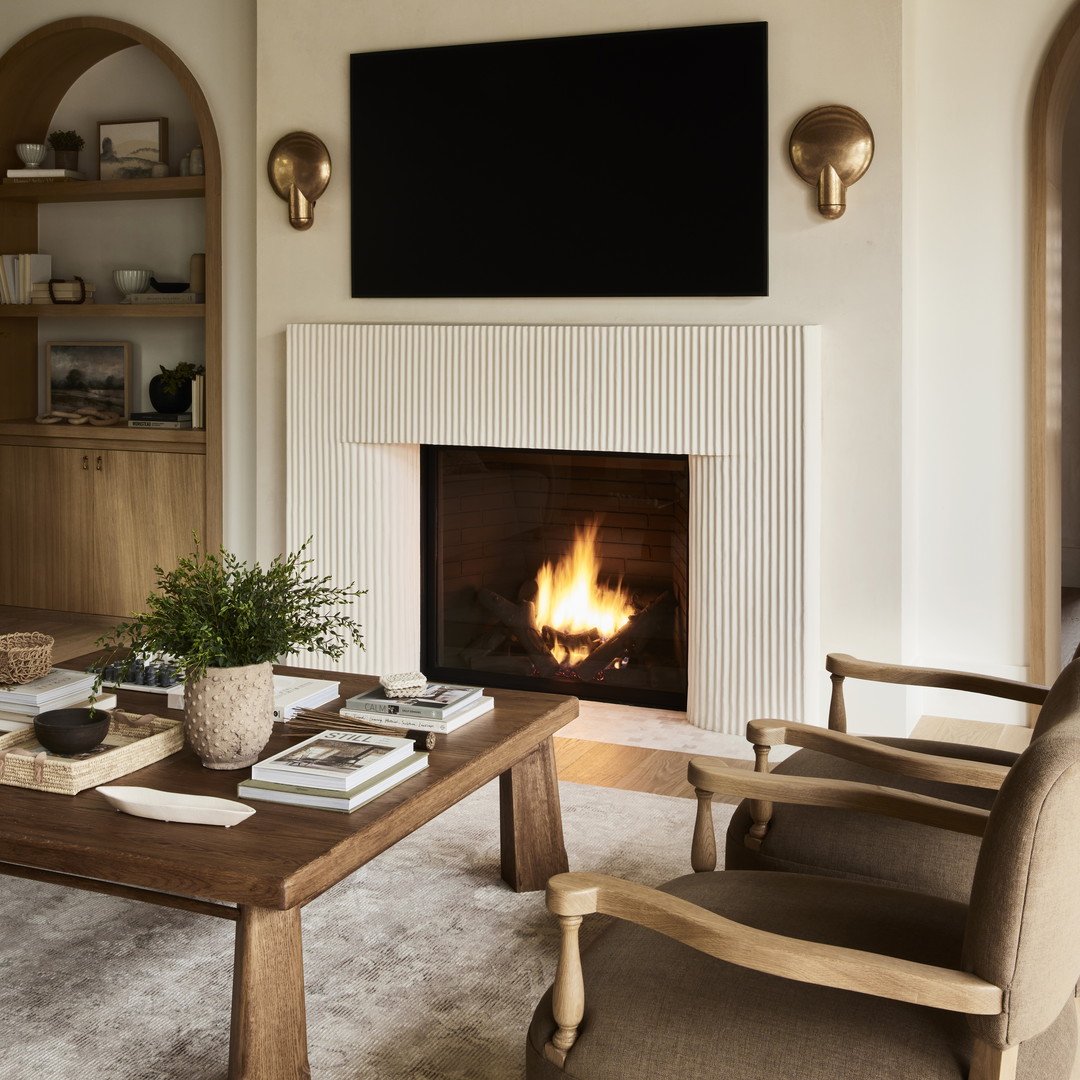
{"x":131,"y":281}
{"x":31,"y":154}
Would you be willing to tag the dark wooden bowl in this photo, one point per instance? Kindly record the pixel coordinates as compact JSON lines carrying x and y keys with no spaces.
{"x":71,"y":731}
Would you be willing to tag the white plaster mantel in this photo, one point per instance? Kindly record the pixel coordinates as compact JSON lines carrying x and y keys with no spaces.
{"x":743,"y":402}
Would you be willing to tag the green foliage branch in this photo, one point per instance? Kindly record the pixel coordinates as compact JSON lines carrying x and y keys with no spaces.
{"x":66,"y":140}
{"x":213,"y":610}
{"x":173,"y":378}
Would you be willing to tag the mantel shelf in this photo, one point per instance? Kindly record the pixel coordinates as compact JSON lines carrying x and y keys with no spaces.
{"x":166,"y":187}
{"x":103,"y":311}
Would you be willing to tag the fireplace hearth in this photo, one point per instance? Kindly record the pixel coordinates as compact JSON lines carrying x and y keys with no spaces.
{"x":557,"y":570}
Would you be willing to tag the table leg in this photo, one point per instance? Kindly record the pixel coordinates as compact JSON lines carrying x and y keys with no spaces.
{"x":531,"y":821}
{"x":268,"y":1040}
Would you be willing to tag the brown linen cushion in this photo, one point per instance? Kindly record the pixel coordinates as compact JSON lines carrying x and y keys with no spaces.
{"x":869,"y":847}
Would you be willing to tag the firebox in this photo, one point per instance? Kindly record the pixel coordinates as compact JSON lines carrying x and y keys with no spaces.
{"x":560,"y":571}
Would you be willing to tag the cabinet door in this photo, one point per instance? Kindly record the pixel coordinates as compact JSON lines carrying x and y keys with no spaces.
{"x":46,"y":527}
{"x":146,"y":505}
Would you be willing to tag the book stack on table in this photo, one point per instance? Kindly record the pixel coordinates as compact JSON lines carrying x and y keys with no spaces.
{"x":438,"y":707}
{"x":292,"y":694}
{"x":59,"y":689}
{"x":334,"y":770}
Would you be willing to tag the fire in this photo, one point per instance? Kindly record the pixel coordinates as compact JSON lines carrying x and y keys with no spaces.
{"x":572,"y":601}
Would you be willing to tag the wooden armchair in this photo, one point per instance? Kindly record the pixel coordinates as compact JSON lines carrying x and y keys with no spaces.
{"x":900,"y":850}
{"x":743,"y":975}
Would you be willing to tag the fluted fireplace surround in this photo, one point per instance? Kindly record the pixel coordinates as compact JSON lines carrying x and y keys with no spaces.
{"x":743,"y":402}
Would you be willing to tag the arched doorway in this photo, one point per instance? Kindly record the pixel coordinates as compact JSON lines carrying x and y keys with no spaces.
{"x":1057,"y":84}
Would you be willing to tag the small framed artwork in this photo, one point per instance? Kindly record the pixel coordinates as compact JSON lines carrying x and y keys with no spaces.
{"x":129,"y":149}
{"x":85,"y":375}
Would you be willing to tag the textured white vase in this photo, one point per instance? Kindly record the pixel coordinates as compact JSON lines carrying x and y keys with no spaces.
{"x":229,"y":715}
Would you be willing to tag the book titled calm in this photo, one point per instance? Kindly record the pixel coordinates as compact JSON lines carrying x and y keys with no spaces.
{"x":342,"y":801}
{"x":437,"y":701}
{"x":338,"y":760}
{"x":473,"y":708}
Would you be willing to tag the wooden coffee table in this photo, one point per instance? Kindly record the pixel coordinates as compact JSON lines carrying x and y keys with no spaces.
{"x":263,"y":871}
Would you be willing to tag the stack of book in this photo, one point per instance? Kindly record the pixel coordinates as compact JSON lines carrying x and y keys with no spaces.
{"x":19,"y":273}
{"x":334,"y":770}
{"x":179,"y":420}
{"x":60,"y":689}
{"x":63,"y":291}
{"x":42,"y":176}
{"x":439,"y":707}
{"x":198,"y":401}
{"x":292,"y":693}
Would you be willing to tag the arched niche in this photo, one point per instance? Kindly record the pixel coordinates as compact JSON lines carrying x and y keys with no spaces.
{"x":1055,"y":89}
{"x":35,"y":74}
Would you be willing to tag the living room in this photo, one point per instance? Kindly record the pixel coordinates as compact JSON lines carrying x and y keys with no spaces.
{"x":920,"y":291}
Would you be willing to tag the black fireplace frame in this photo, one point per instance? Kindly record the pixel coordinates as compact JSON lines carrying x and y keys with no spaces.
{"x":431,"y":615}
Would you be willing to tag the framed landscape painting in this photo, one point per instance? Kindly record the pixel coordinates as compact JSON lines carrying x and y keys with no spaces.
{"x":129,"y":149}
{"x":85,"y":375}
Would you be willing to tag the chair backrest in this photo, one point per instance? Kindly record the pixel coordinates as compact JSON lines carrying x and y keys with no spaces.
{"x":1023,"y":928}
{"x":1061,"y":700}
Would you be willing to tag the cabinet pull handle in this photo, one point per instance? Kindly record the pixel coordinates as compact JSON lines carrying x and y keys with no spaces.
{"x":98,"y":466}
{"x":85,"y":462}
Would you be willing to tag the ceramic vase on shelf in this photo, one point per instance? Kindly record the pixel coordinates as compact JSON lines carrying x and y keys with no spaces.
{"x":229,"y":715}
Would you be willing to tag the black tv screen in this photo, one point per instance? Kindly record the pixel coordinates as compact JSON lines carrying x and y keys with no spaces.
{"x":629,"y":164}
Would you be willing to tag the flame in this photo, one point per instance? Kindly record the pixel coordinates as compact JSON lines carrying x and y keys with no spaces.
{"x":572,"y":599}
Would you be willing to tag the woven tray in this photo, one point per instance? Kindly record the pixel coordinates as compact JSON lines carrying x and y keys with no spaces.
{"x":137,"y":745}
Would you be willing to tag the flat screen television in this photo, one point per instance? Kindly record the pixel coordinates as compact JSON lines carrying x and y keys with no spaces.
{"x":627,"y":164}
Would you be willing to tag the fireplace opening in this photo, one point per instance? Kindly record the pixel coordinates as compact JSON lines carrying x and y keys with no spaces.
{"x":560,"y":571}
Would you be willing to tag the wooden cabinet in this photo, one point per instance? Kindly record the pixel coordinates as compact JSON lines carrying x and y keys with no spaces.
{"x":85,"y":527}
{"x":86,"y":514}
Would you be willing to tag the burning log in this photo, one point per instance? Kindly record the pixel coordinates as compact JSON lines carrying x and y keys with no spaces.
{"x":587,"y":640}
{"x":520,"y":620}
{"x":640,"y":628}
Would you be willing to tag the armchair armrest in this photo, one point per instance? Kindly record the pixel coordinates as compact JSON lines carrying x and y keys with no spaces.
{"x":842,"y":666}
{"x":876,"y":755}
{"x":571,"y":896}
{"x":710,"y":776}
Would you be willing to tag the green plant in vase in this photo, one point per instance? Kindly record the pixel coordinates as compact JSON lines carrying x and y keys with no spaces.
{"x":66,"y":146}
{"x":170,"y":392}
{"x":224,"y":622}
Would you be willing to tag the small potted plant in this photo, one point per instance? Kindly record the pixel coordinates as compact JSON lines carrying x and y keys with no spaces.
{"x":66,"y":146}
{"x":170,"y":392}
{"x":224,"y":623}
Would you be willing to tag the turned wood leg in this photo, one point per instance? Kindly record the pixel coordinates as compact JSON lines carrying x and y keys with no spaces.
{"x":568,"y":995}
{"x":530,"y":819}
{"x":269,"y":1025}
{"x":837,"y":709}
{"x":760,"y":809}
{"x":703,"y":847}
{"x":989,"y":1063}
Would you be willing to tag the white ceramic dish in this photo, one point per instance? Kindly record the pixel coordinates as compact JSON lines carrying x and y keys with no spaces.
{"x":175,"y":806}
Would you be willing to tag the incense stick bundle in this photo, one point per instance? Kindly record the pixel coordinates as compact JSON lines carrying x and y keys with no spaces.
{"x":312,"y":721}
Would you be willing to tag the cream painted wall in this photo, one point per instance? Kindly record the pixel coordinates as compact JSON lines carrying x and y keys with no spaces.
{"x":217,"y":43}
{"x":844,"y":275}
{"x":973,"y":67}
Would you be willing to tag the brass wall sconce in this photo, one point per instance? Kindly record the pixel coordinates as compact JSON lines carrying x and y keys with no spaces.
{"x":831,"y":147}
{"x":299,"y":170}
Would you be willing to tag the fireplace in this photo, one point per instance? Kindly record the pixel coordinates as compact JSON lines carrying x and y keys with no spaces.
{"x":556,"y":570}
{"x":742,"y":403}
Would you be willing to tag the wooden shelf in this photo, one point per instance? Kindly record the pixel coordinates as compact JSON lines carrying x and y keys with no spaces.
{"x":102,"y":311}
{"x":166,"y":187}
{"x":190,"y":440}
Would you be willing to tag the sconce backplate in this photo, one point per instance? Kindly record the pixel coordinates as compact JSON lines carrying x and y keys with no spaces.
{"x":831,"y":147}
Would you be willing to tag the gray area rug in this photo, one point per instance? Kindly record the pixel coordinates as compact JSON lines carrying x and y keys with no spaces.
{"x":421,"y":965}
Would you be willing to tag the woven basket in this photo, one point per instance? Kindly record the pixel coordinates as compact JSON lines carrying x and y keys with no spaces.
{"x":24,"y":658}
